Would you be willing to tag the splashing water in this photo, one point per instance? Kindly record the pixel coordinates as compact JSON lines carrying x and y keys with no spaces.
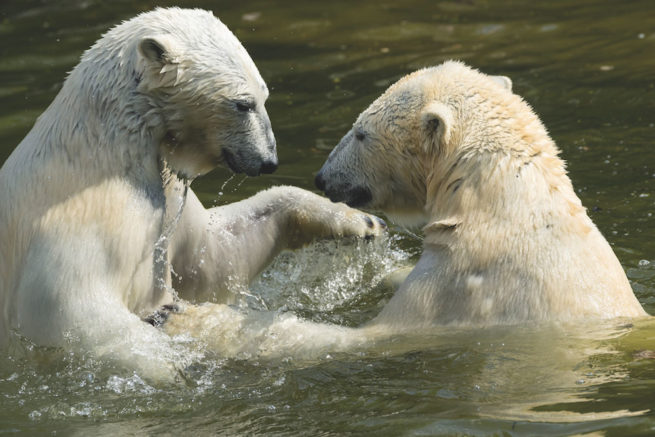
{"x":303,"y":306}
{"x":162,"y":266}
{"x":331,"y":282}
{"x":496,"y":373}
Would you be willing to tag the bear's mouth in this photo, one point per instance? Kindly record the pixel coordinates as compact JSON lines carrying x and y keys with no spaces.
{"x":231,"y":161}
{"x":252,"y":168}
{"x":358,"y":197}
{"x":355,"y":197}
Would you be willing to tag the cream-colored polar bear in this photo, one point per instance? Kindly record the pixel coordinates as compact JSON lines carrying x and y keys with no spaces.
{"x":93,"y":208}
{"x":507,"y":240}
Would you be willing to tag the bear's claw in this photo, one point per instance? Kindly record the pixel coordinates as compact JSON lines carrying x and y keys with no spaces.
{"x":159,"y":317}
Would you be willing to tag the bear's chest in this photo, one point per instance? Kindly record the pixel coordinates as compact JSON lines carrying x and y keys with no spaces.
{"x":126,"y":222}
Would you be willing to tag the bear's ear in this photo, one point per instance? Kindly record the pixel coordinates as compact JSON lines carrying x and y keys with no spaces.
{"x":161,"y":55}
{"x":157,"y":49}
{"x":503,"y":81}
{"x":437,"y":122}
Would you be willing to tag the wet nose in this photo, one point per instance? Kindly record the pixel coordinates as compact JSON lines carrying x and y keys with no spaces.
{"x":268,"y":166}
{"x":319,"y":181}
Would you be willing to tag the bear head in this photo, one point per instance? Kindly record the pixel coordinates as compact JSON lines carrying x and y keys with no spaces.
{"x":205,"y":93}
{"x":402,"y":140}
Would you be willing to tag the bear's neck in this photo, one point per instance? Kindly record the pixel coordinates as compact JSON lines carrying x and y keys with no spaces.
{"x":95,"y":128}
{"x":515,"y":192}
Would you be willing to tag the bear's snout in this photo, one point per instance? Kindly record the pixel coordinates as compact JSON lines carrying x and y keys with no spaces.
{"x":358,"y":197}
{"x":319,"y":181}
{"x":352,"y":195}
{"x":268,"y":166}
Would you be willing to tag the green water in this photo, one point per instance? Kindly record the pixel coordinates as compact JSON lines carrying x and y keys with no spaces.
{"x":586,"y":66}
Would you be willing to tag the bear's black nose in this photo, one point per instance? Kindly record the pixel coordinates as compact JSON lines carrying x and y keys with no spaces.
{"x":268,"y":167}
{"x":319,"y":182}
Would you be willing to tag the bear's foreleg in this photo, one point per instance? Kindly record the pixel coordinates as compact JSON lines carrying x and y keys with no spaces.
{"x":67,"y":297}
{"x":215,"y":249}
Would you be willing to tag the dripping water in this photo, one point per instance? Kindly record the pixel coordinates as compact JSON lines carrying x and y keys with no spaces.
{"x":162,"y":266}
{"x":221,"y":191}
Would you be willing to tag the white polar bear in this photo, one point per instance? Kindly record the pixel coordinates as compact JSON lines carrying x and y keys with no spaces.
{"x":507,"y":239}
{"x":93,"y":199}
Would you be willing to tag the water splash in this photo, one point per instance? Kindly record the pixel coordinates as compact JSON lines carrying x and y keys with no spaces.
{"x":339,"y":282}
{"x":162,"y":266}
{"x":303,"y":305}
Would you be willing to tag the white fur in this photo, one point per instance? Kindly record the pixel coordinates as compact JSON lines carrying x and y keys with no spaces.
{"x":90,"y":199}
{"x":507,"y":239}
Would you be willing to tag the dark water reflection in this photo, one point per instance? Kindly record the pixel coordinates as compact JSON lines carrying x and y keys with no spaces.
{"x":586,"y":66}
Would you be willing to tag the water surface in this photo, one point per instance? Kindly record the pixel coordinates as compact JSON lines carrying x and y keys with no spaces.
{"x":586,"y":66}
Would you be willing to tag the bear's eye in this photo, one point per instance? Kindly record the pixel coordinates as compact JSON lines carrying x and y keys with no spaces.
{"x":361,"y":136}
{"x":245,"y":106}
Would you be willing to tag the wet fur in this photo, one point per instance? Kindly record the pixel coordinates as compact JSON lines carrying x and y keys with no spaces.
{"x":93,"y":201}
{"x":506,"y":238}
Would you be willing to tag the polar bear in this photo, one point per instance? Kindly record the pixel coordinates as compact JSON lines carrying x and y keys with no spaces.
{"x":507,"y":239}
{"x":96,"y":204}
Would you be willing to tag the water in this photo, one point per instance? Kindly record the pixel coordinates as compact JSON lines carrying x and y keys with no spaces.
{"x":586,"y":66}
{"x":162,"y":268}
